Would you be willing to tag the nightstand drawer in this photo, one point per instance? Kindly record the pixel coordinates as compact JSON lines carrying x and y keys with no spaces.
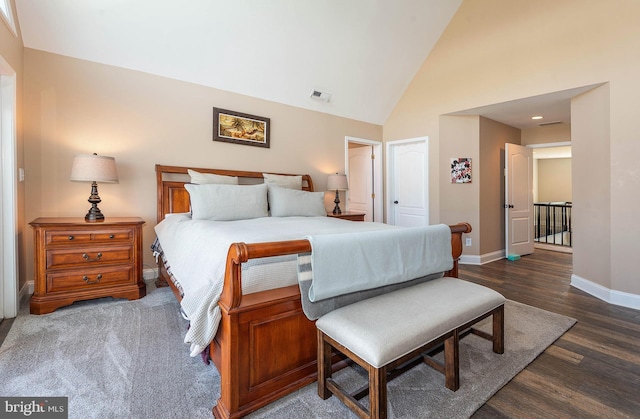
{"x":90,"y":278}
{"x":63,"y":258}
{"x":84,"y":237}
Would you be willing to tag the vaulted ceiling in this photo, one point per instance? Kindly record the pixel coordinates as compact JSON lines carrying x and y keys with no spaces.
{"x":364,"y":53}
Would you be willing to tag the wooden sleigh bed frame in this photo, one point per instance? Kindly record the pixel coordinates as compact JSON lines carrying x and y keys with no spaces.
{"x":265,"y":346}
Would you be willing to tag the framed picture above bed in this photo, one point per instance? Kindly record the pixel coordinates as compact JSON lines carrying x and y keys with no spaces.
{"x":240,"y":128}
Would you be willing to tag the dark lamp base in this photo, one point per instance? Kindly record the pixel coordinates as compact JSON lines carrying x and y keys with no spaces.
{"x":94,"y":213}
{"x":336,"y":209}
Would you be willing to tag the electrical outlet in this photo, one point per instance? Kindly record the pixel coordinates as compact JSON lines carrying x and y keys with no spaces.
{"x":468,"y":241}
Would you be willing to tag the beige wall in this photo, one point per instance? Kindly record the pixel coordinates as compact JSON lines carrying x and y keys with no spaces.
{"x":495,"y":51}
{"x":560,"y":133}
{"x":76,"y":106}
{"x":460,"y":138}
{"x":592,"y":210}
{"x":554,"y":180}
{"x":11,"y":51}
{"x":493,"y":136}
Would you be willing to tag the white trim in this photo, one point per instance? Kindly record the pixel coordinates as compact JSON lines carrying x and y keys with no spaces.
{"x":8,"y":17}
{"x":25,"y":292}
{"x":389,"y":163}
{"x":378,"y":189}
{"x":482,"y":259}
{"x":150,"y":274}
{"x":610,"y":296}
{"x":550,"y":145}
{"x":8,"y":213}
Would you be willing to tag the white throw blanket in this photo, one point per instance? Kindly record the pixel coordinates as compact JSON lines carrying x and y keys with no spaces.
{"x":349,"y":262}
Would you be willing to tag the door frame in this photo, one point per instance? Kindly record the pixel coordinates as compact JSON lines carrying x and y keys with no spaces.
{"x":390,"y":152}
{"x":378,"y":189}
{"x":8,"y":191}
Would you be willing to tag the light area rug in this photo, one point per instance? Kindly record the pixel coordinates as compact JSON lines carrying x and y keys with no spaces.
{"x":126,"y":359}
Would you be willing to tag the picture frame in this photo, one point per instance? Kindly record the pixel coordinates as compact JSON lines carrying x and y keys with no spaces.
{"x":241,"y":128}
{"x":461,"y":170}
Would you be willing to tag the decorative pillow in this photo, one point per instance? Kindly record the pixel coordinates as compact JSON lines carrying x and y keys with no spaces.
{"x":285,"y":181}
{"x":206,"y":178}
{"x":285,"y":202}
{"x":227,"y":202}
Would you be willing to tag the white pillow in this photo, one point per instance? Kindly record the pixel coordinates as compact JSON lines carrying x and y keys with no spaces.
{"x":285,"y":202}
{"x":205,"y":178}
{"x":227,"y":202}
{"x":285,"y":181}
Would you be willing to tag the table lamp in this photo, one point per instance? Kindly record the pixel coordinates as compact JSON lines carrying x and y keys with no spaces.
{"x":93,"y":168}
{"x":337,"y":182}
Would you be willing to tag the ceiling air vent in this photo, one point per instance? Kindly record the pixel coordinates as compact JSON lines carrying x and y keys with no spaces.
{"x":544,"y":124}
{"x":319,"y":95}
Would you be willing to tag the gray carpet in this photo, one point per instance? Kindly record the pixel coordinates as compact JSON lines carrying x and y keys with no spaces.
{"x":121,"y":359}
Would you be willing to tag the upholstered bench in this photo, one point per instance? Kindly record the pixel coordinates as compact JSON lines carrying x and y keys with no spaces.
{"x":387,"y":331}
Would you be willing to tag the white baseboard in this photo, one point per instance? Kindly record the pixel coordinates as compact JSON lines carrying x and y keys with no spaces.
{"x":25,"y":293}
{"x":482,"y":259}
{"x":150,"y":274}
{"x":618,"y":298}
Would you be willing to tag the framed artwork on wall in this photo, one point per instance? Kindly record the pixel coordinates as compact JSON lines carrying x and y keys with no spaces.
{"x":240,"y":128}
{"x":461,"y":170}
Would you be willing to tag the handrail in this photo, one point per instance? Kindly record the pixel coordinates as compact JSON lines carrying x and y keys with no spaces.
{"x":553,"y":223}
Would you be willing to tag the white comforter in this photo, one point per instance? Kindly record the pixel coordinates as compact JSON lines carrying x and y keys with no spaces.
{"x":196,"y":251}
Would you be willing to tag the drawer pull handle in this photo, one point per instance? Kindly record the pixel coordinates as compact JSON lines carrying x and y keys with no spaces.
{"x":111,"y":236}
{"x":86,"y":257}
{"x":70,"y":237}
{"x":86,"y":279}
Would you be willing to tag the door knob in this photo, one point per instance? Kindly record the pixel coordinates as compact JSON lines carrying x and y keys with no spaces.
{"x":395,"y":202}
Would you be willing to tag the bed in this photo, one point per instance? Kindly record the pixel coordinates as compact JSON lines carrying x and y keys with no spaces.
{"x":264,"y":347}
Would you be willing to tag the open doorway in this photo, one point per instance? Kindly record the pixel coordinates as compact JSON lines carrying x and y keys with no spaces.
{"x":552,"y":194}
{"x":363,"y":166}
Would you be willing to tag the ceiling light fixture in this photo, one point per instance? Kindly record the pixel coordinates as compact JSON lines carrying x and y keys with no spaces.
{"x":536,"y":117}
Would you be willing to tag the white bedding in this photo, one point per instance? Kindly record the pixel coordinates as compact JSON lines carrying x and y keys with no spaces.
{"x":197,"y":250}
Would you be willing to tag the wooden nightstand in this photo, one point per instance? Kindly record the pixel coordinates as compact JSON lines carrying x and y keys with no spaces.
{"x":77,"y":260}
{"x":352,"y":216}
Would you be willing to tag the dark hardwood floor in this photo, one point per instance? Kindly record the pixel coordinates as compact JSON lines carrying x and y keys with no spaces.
{"x":593,"y":370}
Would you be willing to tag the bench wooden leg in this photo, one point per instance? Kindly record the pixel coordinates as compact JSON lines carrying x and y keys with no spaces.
{"x":452,"y":361}
{"x":378,"y":393}
{"x":498,"y":330}
{"x":324,"y":366}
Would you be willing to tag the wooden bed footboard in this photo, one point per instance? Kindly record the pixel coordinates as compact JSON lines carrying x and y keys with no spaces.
{"x":266,"y":347}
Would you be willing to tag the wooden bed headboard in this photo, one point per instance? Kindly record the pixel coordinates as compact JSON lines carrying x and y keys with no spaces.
{"x":174,"y":198}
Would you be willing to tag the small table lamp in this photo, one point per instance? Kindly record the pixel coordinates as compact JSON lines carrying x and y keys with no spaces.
{"x":337,"y":182}
{"x":93,"y":168}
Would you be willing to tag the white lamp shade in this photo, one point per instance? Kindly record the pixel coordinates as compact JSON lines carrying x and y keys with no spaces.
{"x":337,"y":182}
{"x":94,"y":168}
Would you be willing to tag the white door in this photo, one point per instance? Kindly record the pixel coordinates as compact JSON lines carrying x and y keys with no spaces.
{"x":518,"y":192}
{"x":361,"y":181}
{"x":408,"y":195}
{"x":8,"y":217}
